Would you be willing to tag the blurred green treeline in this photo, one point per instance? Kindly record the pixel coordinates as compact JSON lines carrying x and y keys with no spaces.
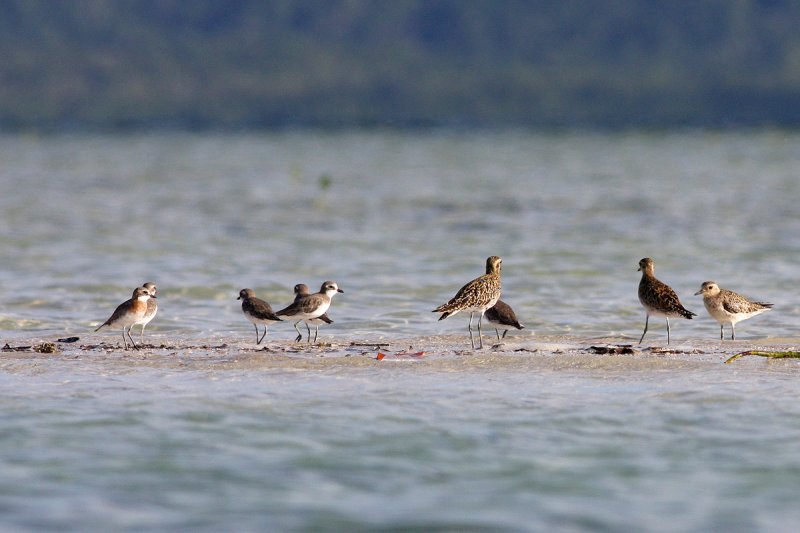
{"x":116,"y":64}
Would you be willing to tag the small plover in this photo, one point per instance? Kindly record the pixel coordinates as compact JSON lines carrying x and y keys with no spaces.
{"x":501,"y":316}
{"x":658,"y":298}
{"x":728,"y":307}
{"x":310,"y":306}
{"x":476,"y":297}
{"x":128,"y":313}
{"x":257,"y":311}
{"x":152,"y":308}
{"x":301,"y":290}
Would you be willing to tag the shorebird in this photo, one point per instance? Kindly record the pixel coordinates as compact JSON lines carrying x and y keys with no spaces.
{"x":257,"y":311}
{"x":128,"y":313}
{"x":658,"y":298}
{"x":728,"y":307}
{"x":501,"y":316}
{"x":301,"y":290}
{"x":310,"y":306}
{"x":152,"y":308}
{"x":476,"y":297}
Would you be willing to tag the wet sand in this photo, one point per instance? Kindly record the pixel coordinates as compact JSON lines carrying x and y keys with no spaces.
{"x":449,"y":352}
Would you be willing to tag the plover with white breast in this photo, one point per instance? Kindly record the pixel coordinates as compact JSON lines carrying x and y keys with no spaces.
{"x":501,"y":316}
{"x":476,"y":297}
{"x":257,"y":311}
{"x":152,"y":308}
{"x":301,"y":290}
{"x":728,"y":307}
{"x":658,"y":298}
{"x":310,"y":306}
{"x":128,"y":313}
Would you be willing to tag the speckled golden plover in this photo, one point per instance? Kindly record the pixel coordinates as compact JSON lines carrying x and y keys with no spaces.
{"x":310,"y":306}
{"x":476,"y":297}
{"x":728,"y":307}
{"x":257,"y":311}
{"x":501,"y":316}
{"x":658,"y":298}
{"x":128,"y":313}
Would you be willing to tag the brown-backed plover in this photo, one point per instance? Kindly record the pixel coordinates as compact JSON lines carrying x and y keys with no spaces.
{"x":128,"y":313}
{"x":658,"y":298}
{"x":310,"y":306}
{"x":301,"y":290}
{"x":728,"y":307}
{"x":476,"y":297}
{"x":257,"y":311}
{"x":501,"y":316}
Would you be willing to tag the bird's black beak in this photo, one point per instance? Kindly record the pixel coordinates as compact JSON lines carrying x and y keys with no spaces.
{"x":339,"y":290}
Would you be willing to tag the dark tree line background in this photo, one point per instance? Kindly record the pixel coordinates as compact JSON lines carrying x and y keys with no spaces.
{"x":116,"y":64}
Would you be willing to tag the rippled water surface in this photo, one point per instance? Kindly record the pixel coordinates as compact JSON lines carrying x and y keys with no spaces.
{"x":205,"y":433}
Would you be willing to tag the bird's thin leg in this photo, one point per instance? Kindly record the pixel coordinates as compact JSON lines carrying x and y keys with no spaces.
{"x":721,"y":332}
{"x":257,"y":341}
{"x":299,"y":335}
{"x":129,"y":335}
{"x":733,"y":331}
{"x":646,"y":322}
{"x":472,"y":340}
{"x":262,"y":336}
{"x":316,"y":332}
{"x":135,"y":347}
{"x":667,"y":331}
{"x":123,"y":338}
{"x":498,"y":333}
{"x":141,"y":335}
{"x":504,"y":333}
{"x":480,"y":332}
{"x":308,"y":328}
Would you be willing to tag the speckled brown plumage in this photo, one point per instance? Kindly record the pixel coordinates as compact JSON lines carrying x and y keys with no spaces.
{"x":728,"y":307}
{"x":658,"y":298}
{"x":476,"y":296}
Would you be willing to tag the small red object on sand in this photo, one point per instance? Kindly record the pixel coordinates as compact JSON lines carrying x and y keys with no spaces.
{"x":400,"y":355}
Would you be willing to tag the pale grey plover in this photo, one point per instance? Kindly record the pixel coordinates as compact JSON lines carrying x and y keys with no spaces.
{"x":728,"y":307}
{"x":128,"y":313}
{"x":257,"y":311}
{"x":310,"y":306}
{"x":476,"y":297}
{"x":658,"y":298}
{"x":501,"y":316}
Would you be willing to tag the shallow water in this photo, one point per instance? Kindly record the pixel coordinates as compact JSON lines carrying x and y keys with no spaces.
{"x":206,"y":433}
